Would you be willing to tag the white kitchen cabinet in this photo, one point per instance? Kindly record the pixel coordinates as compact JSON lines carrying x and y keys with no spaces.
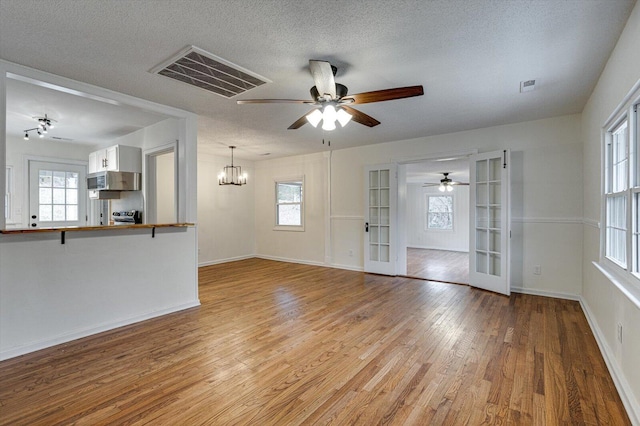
{"x":120,"y":158}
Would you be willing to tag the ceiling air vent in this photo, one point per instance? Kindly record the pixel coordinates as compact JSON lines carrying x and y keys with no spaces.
{"x":202,"y":69}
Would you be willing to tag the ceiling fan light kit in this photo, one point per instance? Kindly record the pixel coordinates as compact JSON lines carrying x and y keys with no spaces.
{"x":333,"y":100}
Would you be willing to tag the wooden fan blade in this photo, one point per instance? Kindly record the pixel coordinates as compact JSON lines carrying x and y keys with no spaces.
{"x":360,"y":117}
{"x":299,"y":122}
{"x":385,"y":95}
{"x":323,"y":77}
{"x":275,"y":101}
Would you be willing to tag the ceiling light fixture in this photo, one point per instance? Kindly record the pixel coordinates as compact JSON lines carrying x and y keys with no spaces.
{"x":232,"y":175}
{"x":329,"y":116}
{"x":445,"y":186}
{"x":44,"y":124}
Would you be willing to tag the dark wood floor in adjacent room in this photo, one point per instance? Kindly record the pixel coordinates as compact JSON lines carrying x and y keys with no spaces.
{"x":284,"y":344}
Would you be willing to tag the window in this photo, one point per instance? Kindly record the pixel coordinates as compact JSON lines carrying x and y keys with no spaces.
{"x":289,"y":204}
{"x":440,"y":212}
{"x":622,"y":191}
{"x":58,"y":196}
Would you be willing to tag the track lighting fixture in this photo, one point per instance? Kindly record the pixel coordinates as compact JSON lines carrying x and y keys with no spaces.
{"x":44,"y":124}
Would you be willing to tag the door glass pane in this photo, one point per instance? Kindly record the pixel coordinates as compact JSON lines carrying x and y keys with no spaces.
{"x":373,"y":234}
{"x":72,"y":212}
{"x":373,"y":252}
{"x":72,"y":196}
{"x":481,"y":240}
{"x":384,"y":197}
{"x":45,"y":213}
{"x":373,"y":215}
{"x":482,"y":197}
{"x":58,"y":195}
{"x":58,"y":212}
{"x":494,"y":241}
{"x":373,"y":197}
{"x":482,"y":219}
{"x":384,"y":234}
{"x":481,"y":171}
{"x":59,"y":179}
{"x":495,"y":168}
{"x":384,"y":215}
{"x":494,"y":264}
{"x":45,"y":196}
{"x":384,"y":178}
{"x":373,"y":179}
{"x":45,"y":178}
{"x":72,"y":180}
{"x":494,"y":218}
{"x":494,"y":193}
{"x":481,"y":262}
{"x":384,"y":253}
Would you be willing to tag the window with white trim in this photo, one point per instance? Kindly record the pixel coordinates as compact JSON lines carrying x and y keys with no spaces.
{"x":622,"y":191}
{"x":440,"y":212}
{"x":290,"y":204}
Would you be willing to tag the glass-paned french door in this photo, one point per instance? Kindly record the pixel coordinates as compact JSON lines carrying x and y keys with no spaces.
{"x":380,"y":211}
{"x":489,"y":222}
{"x":57,"y":194}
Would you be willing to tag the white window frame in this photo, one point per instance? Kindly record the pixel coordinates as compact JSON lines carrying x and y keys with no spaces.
{"x":453,"y":212}
{"x":628,"y":111}
{"x":295,"y":179}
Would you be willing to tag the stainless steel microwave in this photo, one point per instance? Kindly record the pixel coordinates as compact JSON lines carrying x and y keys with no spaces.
{"x":114,"y":181}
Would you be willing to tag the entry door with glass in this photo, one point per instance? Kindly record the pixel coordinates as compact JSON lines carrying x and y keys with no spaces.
{"x":57,"y":195}
{"x":380,"y":213}
{"x":489,"y":222}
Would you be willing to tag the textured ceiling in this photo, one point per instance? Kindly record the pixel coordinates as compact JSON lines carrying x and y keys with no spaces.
{"x":470,"y":56}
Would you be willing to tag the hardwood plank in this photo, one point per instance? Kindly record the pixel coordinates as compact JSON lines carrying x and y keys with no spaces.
{"x":438,"y":265}
{"x":276,"y":343}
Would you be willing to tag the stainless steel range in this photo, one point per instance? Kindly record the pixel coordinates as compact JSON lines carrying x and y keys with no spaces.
{"x":128,"y":217}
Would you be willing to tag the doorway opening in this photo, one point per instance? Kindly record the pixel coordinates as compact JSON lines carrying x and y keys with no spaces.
{"x":161,"y":203}
{"x":435,"y":213}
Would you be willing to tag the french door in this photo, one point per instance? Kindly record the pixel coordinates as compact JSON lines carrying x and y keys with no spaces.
{"x":489,"y":221}
{"x":380,"y":216}
{"x":57,"y":195}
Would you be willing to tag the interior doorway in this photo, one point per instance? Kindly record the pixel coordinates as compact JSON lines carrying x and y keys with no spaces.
{"x":161,"y":185}
{"x":435,"y":216}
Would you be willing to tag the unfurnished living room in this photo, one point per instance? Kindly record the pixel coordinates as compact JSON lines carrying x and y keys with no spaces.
{"x":289,"y":212}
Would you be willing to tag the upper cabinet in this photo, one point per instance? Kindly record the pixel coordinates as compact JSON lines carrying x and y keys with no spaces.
{"x":119,"y":158}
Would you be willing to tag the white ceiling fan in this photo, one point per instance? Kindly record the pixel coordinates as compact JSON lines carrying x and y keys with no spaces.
{"x":446,"y":184}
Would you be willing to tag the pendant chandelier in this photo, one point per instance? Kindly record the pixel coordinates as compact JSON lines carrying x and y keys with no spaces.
{"x":232,"y":175}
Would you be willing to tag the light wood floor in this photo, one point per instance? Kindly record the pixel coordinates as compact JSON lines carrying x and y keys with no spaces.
{"x":438,"y":265}
{"x":284,"y":344}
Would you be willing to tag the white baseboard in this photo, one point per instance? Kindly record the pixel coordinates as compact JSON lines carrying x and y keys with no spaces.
{"x":624,"y":390}
{"x":545,"y":293}
{"x":230,"y":259}
{"x":14,"y":352}
{"x":286,"y":259}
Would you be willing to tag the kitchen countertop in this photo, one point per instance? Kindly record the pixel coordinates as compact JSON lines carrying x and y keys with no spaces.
{"x":94,"y":228}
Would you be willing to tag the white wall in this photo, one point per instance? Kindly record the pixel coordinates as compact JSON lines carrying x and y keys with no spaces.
{"x":307,"y":246}
{"x":418,"y":236}
{"x":225,"y":213}
{"x":606,"y":304}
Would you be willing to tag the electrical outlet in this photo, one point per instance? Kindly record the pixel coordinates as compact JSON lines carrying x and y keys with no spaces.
{"x":620,"y":332}
{"x":537,"y":270}
{"x":350,"y":253}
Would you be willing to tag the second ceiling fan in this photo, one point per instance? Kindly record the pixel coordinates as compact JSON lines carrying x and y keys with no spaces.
{"x":331,"y":102}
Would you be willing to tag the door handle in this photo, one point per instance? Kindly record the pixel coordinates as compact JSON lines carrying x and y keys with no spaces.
{"x":366,"y":227}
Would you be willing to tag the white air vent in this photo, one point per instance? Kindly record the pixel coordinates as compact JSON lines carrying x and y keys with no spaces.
{"x":527,"y":86}
{"x":202,"y":69}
